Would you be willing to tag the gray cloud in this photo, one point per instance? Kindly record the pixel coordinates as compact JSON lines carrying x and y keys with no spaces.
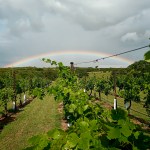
{"x":31,"y":27}
{"x":130,"y":36}
{"x":95,"y":14}
{"x":21,"y":16}
{"x":91,"y":15}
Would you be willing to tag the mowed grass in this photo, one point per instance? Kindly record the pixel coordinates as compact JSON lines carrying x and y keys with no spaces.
{"x":37,"y":117}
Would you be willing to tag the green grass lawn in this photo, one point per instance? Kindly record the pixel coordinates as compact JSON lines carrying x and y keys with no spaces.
{"x":37,"y":117}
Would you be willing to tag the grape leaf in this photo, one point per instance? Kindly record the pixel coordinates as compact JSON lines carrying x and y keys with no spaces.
{"x":83,"y":124}
{"x":72,"y":108}
{"x":80,"y":110}
{"x":40,"y":141}
{"x":114,"y":133}
{"x":125,"y":129}
{"x":123,"y":139}
{"x":72,"y":141}
{"x":85,"y":107}
{"x":136,"y":134}
{"x":93,"y":125}
{"x":55,"y":134}
{"x":84,"y":141}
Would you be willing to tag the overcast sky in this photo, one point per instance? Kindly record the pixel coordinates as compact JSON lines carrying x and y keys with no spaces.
{"x":34,"y":27}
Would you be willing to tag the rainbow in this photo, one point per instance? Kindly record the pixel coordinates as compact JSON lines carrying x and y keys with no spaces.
{"x":61,"y":54}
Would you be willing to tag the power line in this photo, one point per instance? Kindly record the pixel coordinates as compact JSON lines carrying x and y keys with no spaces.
{"x":96,"y":60}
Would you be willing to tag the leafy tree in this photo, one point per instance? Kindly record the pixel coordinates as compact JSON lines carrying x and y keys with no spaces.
{"x":147,"y":56}
{"x":141,"y":66}
{"x":147,"y":98}
{"x":120,"y":82}
{"x":100,"y":86}
{"x":82,"y":72}
{"x":90,"y":85}
{"x":19,"y":91}
{"x":108,"y":87}
{"x":23,"y":85}
{"x":130,"y":91}
{"x":6,"y":95}
{"x":147,"y":86}
{"x":1,"y":83}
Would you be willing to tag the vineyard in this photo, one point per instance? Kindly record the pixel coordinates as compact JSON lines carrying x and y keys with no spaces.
{"x":97,"y":106}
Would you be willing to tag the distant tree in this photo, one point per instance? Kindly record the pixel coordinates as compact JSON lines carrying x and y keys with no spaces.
{"x":147,"y":98}
{"x":100,"y":86}
{"x":130,"y":91}
{"x":90,"y":85}
{"x":1,"y":83}
{"x":141,"y":67}
{"x":6,"y":95}
{"x":147,"y":56}
{"x":107,"y":87}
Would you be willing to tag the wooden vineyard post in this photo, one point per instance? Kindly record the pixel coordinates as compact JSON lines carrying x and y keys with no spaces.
{"x":72,"y":66}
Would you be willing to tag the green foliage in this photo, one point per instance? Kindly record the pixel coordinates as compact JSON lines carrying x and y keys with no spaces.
{"x":1,"y":83}
{"x":147,"y":98}
{"x":91,"y":126}
{"x":90,"y":84}
{"x":147,"y":55}
{"x":100,"y":85}
{"x":141,"y":67}
{"x":6,"y":95}
{"x":38,"y":92}
{"x":108,"y":88}
{"x":40,"y":142}
{"x":118,"y":114}
{"x":129,"y":89}
{"x":82,"y":72}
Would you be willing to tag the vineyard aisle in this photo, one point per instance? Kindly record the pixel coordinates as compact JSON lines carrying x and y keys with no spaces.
{"x":38,"y":117}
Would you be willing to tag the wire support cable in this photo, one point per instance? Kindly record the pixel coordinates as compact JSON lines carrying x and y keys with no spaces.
{"x":96,"y":60}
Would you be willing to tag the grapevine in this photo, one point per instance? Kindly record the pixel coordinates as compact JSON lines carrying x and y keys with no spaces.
{"x":91,"y":127}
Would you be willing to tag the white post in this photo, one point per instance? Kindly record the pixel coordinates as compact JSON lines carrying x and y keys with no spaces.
{"x":13,"y":105}
{"x":115,"y":104}
{"x":126,"y":105}
{"x":24,"y":97}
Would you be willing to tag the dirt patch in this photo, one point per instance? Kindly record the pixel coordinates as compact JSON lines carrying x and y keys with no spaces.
{"x":106,"y":105}
{"x":6,"y":120}
{"x":145,"y":125}
{"x":64,"y":124}
{"x":60,"y":107}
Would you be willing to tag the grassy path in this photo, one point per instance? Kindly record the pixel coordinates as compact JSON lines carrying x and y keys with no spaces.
{"x":37,"y":117}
